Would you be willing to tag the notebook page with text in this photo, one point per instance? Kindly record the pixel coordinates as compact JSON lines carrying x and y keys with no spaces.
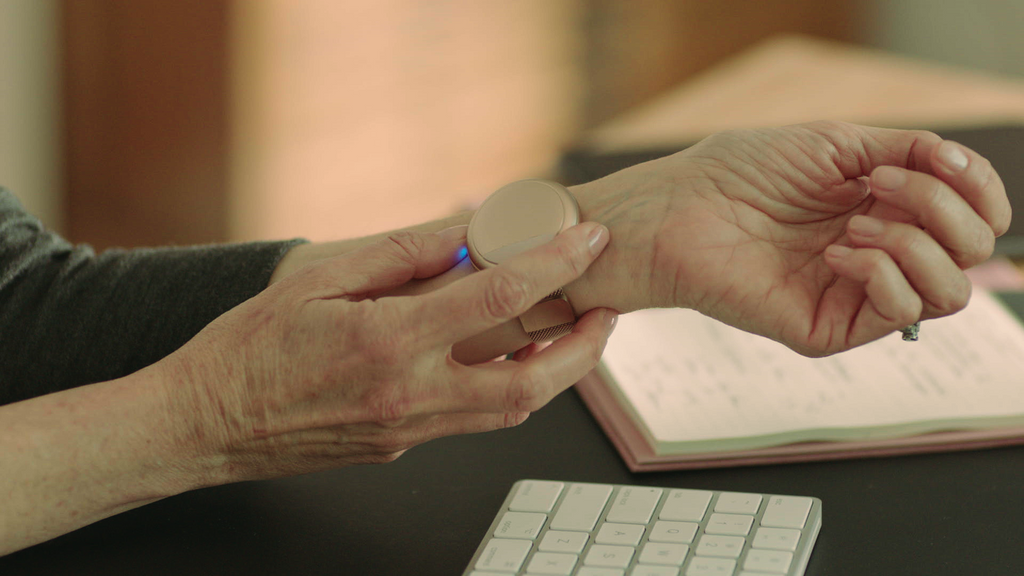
{"x":697,"y":385}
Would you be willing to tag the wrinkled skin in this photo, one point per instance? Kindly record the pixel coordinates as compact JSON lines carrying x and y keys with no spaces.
{"x":750,"y":227}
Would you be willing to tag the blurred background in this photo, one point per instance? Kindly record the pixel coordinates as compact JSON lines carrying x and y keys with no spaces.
{"x":148,"y":122}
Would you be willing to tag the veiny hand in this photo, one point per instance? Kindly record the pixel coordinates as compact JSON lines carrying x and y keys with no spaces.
{"x":317,"y":372}
{"x":822,"y":236}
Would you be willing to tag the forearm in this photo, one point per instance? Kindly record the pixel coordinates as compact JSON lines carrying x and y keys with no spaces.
{"x":71,"y":458}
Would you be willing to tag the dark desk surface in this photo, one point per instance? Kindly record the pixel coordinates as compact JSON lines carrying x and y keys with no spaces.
{"x":943,"y":514}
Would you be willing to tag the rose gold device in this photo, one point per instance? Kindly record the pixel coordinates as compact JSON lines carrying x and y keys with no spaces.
{"x":517,"y":217}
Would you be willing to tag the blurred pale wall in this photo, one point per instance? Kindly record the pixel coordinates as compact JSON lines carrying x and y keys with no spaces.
{"x":401,"y":109}
{"x":980,"y":34}
{"x":30,"y":149}
{"x":357,"y":117}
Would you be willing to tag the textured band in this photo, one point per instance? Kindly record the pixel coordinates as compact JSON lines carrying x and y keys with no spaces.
{"x":550,"y":319}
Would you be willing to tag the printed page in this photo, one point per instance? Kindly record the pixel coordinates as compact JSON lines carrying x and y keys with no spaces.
{"x":699,"y":385}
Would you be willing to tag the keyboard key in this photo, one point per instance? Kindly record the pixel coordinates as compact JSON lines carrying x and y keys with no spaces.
{"x":536,"y":496}
{"x":786,"y":512}
{"x":644,"y":570}
{"x":680,"y":532}
{"x":634,"y":505}
{"x":738,"y":503}
{"x":774,"y":561}
{"x":558,"y":541}
{"x":504,"y":554}
{"x":610,"y":556}
{"x":592,"y":571}
{"x":550,"y":563}
{"x":581,"y":507}
{"x":660,"y":553}
{"x":686,"y":505}
{"x":703,"y":566}
{"x":731,"y":524}
{"x":776,"y":539}
{"x":520,"y":525}
{"x":620,"y":534}
{"x":721,"y":546}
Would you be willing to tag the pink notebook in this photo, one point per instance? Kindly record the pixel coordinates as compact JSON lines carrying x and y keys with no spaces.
{"x":665,"y":411}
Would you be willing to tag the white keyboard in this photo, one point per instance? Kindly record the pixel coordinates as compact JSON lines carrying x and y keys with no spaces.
{"x":583,"y":529}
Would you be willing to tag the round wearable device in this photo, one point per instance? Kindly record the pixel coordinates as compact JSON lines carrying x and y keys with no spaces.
{"x":517,"y":217}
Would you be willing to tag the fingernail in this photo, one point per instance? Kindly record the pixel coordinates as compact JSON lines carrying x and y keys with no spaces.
{"x":837,"y":251}
{"x":888,"y":178}
{"x":865,"y":226}
{"x":952,"y":156}
{"x":611,"y":319}
{"x":598,"y":238}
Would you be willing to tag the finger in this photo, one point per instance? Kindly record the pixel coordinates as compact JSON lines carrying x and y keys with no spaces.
{"x":945,"y":214}
{"x":491,"y":297}
{"x":474,"y":423}
{"x":857,"y":150}
{"x":973,"y":177}
{"x":525,"y":352}
{"x":376,"y":440}
{"x":396,"y":259}
{"x":891,"y":302}
{"x":370,"y":443}
{"x":942,"y":286}
{"x":528,"y":385}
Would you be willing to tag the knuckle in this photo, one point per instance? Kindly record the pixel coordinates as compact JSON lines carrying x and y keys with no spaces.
{"x":407,"y":246}
{"x":934,"y":200}
{"x":386,"y":403}
{"x":391,"y":457}
{"x":992,"y":185}
{"x":978,"y":249}
{"x":384,"y":458}
{"x":876,"y":260}
{"x":572,"y":259}
{"x":984,"y":244}
{"x":828,"y":126}
{"x":507,"y":295}
{"x":987,"y":173}
{"x":908,"y":311}
{"x":907,"y":244}
{"x":393,"y":444}
{"x":528,"y":390}
{"x":1002,"y":222}
{"x":513,"y":419}
{"x":954,"y":298}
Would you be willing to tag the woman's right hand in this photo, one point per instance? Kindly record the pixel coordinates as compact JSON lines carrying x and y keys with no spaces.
{"x":318,"y":371}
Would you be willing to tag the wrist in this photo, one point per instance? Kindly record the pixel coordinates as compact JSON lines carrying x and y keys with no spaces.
{"x":596,"y":288}
{"x":635,"y":271}
{"x":75,"y":457}
{"x":194,"y":435}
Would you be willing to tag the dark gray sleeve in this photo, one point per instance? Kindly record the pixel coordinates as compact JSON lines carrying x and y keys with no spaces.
{"x":70,"y":317}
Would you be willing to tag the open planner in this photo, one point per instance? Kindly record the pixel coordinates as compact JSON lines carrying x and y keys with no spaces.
{"x":676,"y":389}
